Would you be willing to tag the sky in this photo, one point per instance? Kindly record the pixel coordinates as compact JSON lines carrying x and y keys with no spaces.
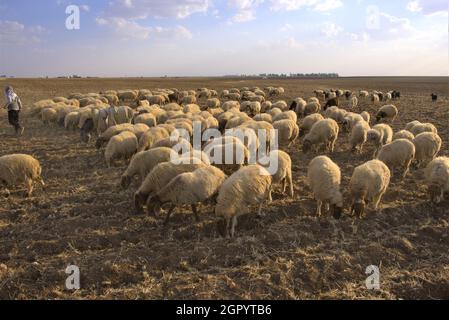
{"x":224,"y":37}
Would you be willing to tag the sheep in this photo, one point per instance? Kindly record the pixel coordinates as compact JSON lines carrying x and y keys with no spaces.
{"x":366,"y":116}
{"x":266,"y":106}
{"x":248,"y":186}
{"x":403,"y":134}
{"x":213,"y":103}
{"x":274,"y":112}
{"x":325,"y":132}
{"x":263,"y":117}
{"x":359,"y":135}
{"x":411,"y":124}
{"x":49,"y":115}
{"x":427,"y":144}
{"x":437,"y":178}
{"x":124,"y":145}
{"x":375,"y":99}
{"x":380,"y":135}
{"x":368,"y":182}
{"x":71,"y":120}
{"x":363,"y":94}
{"x":388,"y":112}
{"x":331,"y":103}
{"x":20,"y":168}
{"x":181,"y":144}
{"x":398,"y":153}
{"x":288,"y":131}
{"x":228,"y":156}
{"x":311,"y":107}
{"x":350,"y":120}
{"x":251,"y":108}
{"x":283,"y":172}
{"x":189,"y":188}
{"x":423,"y":127}
{"x":156,"y":99}
{"x":354,"y":102}
{"x":308,"y":122}
{"x":324,"y":178}
{"x":160,"y":176}
{"x":151,"y":136}
{"x":146,"y":118}
{"x":230,"y":104}
{"x":86,"y":130}
{"x":298,"y":105}
{"x":286,"y":115}
{"x":281,"y":104}
{"x":188,"y":100}
{"x":143,"y":162}
{"x":63,"y":112}
{"x":124,"y":95}
{"x":313,"y":100}
{"x":433,"y":96}
{"x":335,"y":113}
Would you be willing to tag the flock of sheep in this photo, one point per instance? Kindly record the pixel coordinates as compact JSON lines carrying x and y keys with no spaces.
{"x":139,"y":126}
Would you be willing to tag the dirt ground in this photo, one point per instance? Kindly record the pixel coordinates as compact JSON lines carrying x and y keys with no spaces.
{"x":84,"y":218}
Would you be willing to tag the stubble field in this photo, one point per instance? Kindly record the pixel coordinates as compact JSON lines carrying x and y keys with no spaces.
{"x":83,"y":218}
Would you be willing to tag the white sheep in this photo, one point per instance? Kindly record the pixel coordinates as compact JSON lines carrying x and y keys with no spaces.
{"x":423,"y":127}
{"x":350,"y":120}
{"x":354,"y":102}
{"x":151,"y":136}
{"x":189,"y":188}
{"x":71,"y":120}
{"x":335,"y":113}
{"x":387,"y":113}
{"x":284,"y":169}
{"x":160,"y":176}
{"x":311,"y":107}
{"x":121,"y":146}
{"x":323,"y":132}
{"x":379,"y":135}
{"x":359,"y":136}
{"x":146,"y":118}
{"x":20,"y":168}
{"x":324,"y":178}
{"x":427,"y":145}
{"x":403,"y":134}
{"x":286,"y":115}
{"x":368,"y":182}
{"x":411,"y":124}
{"x":263,"y":117}
{"x":309,"y":121}
{"x":288,"y":131}
{"x":366,"y":116}
{"x":437,"y":178}
{"x":399,"y":153}
{"x":298,"y":105}
{"x":143,"y":162}
{"x":248,"y":186}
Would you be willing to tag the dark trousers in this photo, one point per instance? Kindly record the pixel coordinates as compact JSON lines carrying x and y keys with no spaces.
{"x":13,"y":118}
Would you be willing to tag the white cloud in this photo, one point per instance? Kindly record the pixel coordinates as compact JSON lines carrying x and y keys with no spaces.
{"x":331,"y":30}
{"x":142,"y":9}
{"x":245,"y":10}
{"x":414,"y":6}
{"x":243,"y":16}
{"x":14,"y":32}
{"x":428,"y":7}
{"x":85,"y":7}
{"x":128,"y":29}
{"x":286,"y":27}
{"x":317,"y":5}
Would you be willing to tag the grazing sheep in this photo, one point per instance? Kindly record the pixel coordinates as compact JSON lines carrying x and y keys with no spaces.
{"x":20,"y":168}
{"x":331,"y":103}
{"x":388,"y":112}
{"x":350,"y":120}
{"x":288,"y":131}
{"x":230,"y":105}
{"x":366,"y":116}
{"x":427,"y":144}
{"x":182,"y":144}
{"x":399,"y":153}
{"x":311,"y":107}
{"x":274,"y":112}
{"x":284,"y":169}
{"x":410,"y":125}
{"x":49,"y":115}
{"x":403,"y":134}
{"x":263,"y":117}
{"x":308,"y":122}
{"x":359,"y":136}
{"x":146,"y":118}
{"x":266,"y":106}
{"x":286,"y":115}
{"x":86,"y":130}
{"x":324,"y":178}
{"x":354,"y":102}
{"x":213,"y":103}
{"x":433,"y":96}
{"x":323,"y":132}
{"x":368,"y":182}
{"x":160,"y":176}
{"x":151,"y":136}
{"x":298,"y":105}
{"x":363,"y":94}
{"x":71,"y":120}
{"x":188,"y":100}
{"x":189,"y":188}
{"x":313,"y":100}
{"x":437,"y":178}
{"x":423,"y":127}
{"x":375,"y":99}
{"x":229,"y":157}
{"x":143,"y":162}
{"x":335,"y":113}
{"x":248,"y":186}
{"x":380,"y":135}
{"x":121,"y":146}
{"x":251,"y":108}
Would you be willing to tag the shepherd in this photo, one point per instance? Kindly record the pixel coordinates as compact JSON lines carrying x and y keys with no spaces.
{"x":13,"y":105}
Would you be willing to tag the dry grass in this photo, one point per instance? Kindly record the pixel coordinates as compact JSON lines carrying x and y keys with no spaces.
{"x":83,"y":218}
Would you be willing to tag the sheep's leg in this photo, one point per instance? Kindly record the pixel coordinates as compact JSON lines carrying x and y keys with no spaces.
{"x":377,"y":199}
{"x":407,"y":168}
{"x":227,"y":231}
{"x":167,"y":218}
{"x":290,"y":182}
{"x":195,"y":212}
{"x":234,"y":224}
{"x":29,"y":185}
{"x":284,"y":184}
{"x":259,"y":211}
{"x":319,"y":203}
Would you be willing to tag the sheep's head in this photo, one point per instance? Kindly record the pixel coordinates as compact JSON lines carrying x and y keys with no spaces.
{"x":154,"y":205}
{"x":293,"y":105}
{"x":435,"y":193}
{"x":373,"y":135}
{"x":380,"y":115}
{"x":336,"y":211}
{"x":139,"y":200}
{"x":306,"y":146}
{"x":346,"y":125}
{"x":359,"y":204}
{"x":125,"y":182}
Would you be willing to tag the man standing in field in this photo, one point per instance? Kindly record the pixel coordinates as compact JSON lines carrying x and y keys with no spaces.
{"x":13,"y":105}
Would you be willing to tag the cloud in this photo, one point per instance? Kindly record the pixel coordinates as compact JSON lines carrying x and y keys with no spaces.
{"x":128,"y":29}
{"x":317,"y":5}
{"x":142,"y":9}
{"x":286,"y":27}
{"x":245,"y":10}
{"x":428,"y":7}
{"x":243,"y":16}
{"x":14,"y":32}
{"x":331,"y":30}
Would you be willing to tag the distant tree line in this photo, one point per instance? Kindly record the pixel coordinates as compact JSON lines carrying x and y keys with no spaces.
{"x":287,"y":76}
